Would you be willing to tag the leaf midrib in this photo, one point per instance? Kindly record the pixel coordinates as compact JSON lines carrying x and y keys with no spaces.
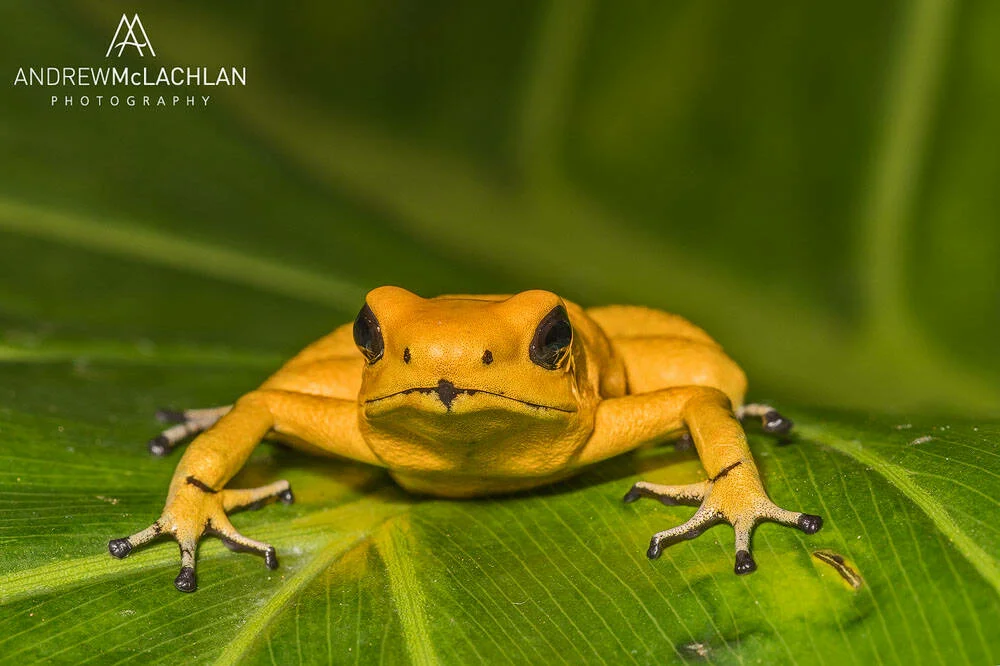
{"x":328,"y":554}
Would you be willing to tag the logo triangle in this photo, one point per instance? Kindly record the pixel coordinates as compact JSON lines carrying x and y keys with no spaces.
{"x":132,"y":29}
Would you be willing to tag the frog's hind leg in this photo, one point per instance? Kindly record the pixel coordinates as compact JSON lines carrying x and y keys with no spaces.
{"x":188,"y":423}
{"x":770,"y":418}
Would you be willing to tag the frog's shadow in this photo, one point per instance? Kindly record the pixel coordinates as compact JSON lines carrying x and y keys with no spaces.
{"x":627,"y":466}
{"x":361,"y":479}
{"x":284,"y":461}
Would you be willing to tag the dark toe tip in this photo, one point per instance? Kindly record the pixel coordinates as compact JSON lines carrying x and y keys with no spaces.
{"x":654,"y":550}
{"x":186,"y":581}
{"x":777,"y":424}
{"x":119,"y":548}
{"x":170,"y":416}
{"x":159,"y":446}
{"x":744,"y":563}
{"x":286,"y":496}
{"x":271,"y":559}
{"x":809,"y":523}
{"x":632,"y":495}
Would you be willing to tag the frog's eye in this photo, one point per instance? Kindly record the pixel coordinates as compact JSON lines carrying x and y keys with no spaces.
{"x":550,"y":345}
{"x":368,"y":335}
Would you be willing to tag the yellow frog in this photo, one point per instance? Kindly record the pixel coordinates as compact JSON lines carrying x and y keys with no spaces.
{"x":462,"y":396}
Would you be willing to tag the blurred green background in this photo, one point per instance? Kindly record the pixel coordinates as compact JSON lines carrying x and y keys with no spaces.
{"x":815,"y":185}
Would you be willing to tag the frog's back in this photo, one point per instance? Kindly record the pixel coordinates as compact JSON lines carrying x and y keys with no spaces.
{"x":329,"y":367}
{"x":662,"y":350}
{"x":634,"y":321}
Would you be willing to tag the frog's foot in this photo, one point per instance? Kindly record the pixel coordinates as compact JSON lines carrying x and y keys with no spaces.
{"x":736,"y":497}
{"x":188,"y":423}
{"x":197,"y":510}
{"x":770,"y":418}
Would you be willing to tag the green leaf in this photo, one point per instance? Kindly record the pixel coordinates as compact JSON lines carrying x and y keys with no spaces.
{"x":838,"y":237}
{"x":368,"y":572}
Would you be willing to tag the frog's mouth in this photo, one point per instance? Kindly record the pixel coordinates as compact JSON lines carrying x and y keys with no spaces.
{"x":447,"y":392}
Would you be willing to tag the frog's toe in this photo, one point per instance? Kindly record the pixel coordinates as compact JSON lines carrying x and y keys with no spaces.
{"x":254,"y":498}
{"x":744,"y":525}
{"x":159,"y":446}
{"x":235,"y":541}
{"x":809,"y":523}
{"x":744,"y":563}
{"x":699,"y":522}
{"x":743,"y":529}
{"x":771,"y":420}
{"x":691,"y":494}
{"x":776,"y":424}
{"x":168,"y":440}
{"x":121,"y":548}
{"x":186,"y":423}
{"x":186,"y":580}
{"x":165,"y":415}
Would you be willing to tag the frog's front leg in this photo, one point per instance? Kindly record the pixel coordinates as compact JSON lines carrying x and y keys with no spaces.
{"x":733,"y":492}
{"x":197,"y":502}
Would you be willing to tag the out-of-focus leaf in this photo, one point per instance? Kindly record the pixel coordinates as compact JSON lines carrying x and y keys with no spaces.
{"x":809,"y":208}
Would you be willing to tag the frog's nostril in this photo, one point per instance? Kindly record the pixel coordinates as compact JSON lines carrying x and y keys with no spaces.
{"x":406,"y":355}
{"x":487,"y":357}
{"x":447,"y":392}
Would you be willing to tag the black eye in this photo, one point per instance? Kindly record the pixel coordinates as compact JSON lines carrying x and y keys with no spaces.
{"x":550,"y":346}
{"x":368,"y":335}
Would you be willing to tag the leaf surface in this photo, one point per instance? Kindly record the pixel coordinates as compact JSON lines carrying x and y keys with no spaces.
{"x":666,"y":155}
{"x":370,"y":573}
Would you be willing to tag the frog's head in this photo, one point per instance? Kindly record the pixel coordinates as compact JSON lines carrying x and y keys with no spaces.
{"x":465,"y":370}
{"x":454,"y":355}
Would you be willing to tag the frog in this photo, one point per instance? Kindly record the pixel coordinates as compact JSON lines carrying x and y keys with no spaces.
{"x":463,"y":396}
